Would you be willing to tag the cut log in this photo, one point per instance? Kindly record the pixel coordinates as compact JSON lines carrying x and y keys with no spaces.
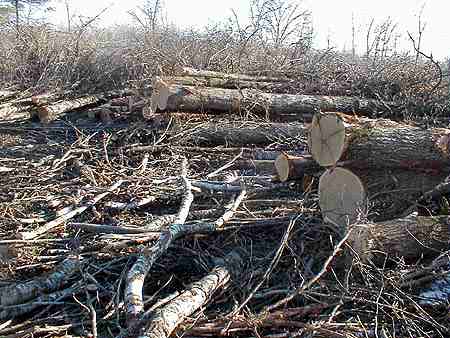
{"x":411,"y":237}
{"x":215,"y":100}
{"x":383,"y":144}
{"x":259,"y":166}
{"x":227,"y":83}
{"x":239,"y":133}
{"x":46,"y":98}
{"x":294,"y":167}
{"x":51,"y":112}
{"x":13,"y":112}
{"x":187,"y":71}
{"x":342,"y":197}
{"x":8,"y":94}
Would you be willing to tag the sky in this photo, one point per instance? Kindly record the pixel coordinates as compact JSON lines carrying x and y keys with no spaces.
{"x":332,"y":20}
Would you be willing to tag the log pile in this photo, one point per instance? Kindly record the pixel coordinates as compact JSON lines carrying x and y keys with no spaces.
{"x":191,"y":215}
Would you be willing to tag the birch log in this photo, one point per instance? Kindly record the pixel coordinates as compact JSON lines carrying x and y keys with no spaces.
{"x":23,"y":292}
{"x":165,"y":320}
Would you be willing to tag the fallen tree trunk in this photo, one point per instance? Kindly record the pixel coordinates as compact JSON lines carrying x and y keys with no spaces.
{"x":242,"y":133}
{"x":163,"y":321}
{"x":188,"y":71}
{"x":411,"y":237}
{"x":302,"y":107}
{"x":382,"y":144}
{"x":227,"y":83}
{"x":48,"y":113}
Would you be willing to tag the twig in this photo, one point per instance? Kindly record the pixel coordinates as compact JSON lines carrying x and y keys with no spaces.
{"x":313,"y":280}
{"x":52,"y":224}
{"x":140,"y":269}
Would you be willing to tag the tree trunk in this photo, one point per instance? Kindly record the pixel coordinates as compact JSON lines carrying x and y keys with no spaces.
{"x":383,"y":144}
{"x":187,"y":71}
{"x":226,"y":83}
{"x":51,"y":112}
{"x":411,"y":238}
{"x":239,"y":134}
{"x":277,"y":106}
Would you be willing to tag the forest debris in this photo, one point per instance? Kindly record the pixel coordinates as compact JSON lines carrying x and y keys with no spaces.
{"x":48,"y":113}
{"x":19,"y":293}
{"x":303,"y":107}
{"x":70,"y":214}
{"x":164,"y":321}
{"x":410,"y":238}
{"x":138,"y":272}
{"x":290,"y":167}
{"x":188,"y":71}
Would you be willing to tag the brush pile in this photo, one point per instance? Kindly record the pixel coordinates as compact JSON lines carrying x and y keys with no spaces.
{"x":210,"y":204}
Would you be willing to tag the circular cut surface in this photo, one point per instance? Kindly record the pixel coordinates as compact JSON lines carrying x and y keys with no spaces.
{"x":282,"y":167}
{"x":326,"y":138}
{"x":160,"y":94}
{"x":341,"y":196}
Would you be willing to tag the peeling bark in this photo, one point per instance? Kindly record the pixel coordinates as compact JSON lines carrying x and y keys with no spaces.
{"x":138,"y":272}
{"x":65,"y":217}
{"x":20,"y":293}
{"x":165,"y":320}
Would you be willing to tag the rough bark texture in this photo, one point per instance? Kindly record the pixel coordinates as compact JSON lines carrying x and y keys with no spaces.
{"x":382,"y":143}
{"x":227,"y":83}
{"x":410,"y":237}
{"x":51,"y":112}
{"x":187,"y":71}
{"x":166,"y":319}
{"x":194,"y":99}
{"x":23,"y":292}
{"x":247,"y":133}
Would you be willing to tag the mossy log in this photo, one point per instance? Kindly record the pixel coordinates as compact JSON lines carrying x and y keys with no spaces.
{"x":411,"y":238}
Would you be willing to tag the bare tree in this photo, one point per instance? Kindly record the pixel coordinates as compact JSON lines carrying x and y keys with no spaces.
{"x":19,"y":5}
{"x":283,"y":22}
{"x":149,"y":14}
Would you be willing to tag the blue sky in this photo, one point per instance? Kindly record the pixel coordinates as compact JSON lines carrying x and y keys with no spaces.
{"x":332,"y":19}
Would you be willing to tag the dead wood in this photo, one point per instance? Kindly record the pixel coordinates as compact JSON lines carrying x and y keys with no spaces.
{"x":215,"y":100}
{"x":187,"y":71}
{"x":290,"y":167}
{"x":48,"y":113}
{"x":67,"y":216}
{"x":20,"y":293}
{"x":227,"y":83}
{"x":240,"y":134}
{"x":165,"y":320}
{"x":411,"y":238}
{"x":138,"y":272}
